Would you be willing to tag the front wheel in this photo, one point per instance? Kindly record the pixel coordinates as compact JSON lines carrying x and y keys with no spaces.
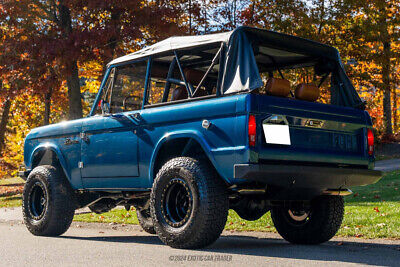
{"x":48,"y":204}
{"x":313,"y":225}
{"x":189,"y":203}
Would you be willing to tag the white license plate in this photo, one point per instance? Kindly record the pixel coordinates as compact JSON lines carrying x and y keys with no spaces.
{"x":276,"y":134}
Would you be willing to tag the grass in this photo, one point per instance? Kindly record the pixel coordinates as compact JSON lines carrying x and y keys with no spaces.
{"x":11,"y":201}
{"x":8,"y":201}
{"x":371,"y":212}
{"x":13,"y":180}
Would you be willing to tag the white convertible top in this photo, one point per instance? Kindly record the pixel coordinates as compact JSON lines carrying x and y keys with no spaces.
{"x":173,"y":43}
{"x":247,"y":47}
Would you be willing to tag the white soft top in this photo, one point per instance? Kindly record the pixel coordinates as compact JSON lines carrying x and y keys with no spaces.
{"x":174,"y":43}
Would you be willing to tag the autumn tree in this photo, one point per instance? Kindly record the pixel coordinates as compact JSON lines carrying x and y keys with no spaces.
{"x":372,"y":27}
{"x":73,"y":32}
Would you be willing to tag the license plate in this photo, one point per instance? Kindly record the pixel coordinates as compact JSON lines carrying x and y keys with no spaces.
{"x":276,"y":134}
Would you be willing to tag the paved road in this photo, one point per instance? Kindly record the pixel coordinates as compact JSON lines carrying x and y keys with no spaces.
{"x":101,"y":245}
{"x":387,"y":165}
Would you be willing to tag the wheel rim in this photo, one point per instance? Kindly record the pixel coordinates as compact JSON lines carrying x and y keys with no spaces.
{"x":177,"y":202}
{"x":298,"y":216}
{"x":37,"y":201}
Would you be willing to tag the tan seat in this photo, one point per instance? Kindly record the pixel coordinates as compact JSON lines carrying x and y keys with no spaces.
{"x":179,"y":93}
{"x":306,"y":92}
{"x":277,"y":87}
{"x":194,"y":78}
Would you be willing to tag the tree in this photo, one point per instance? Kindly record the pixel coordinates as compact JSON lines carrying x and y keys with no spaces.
{"x":72,"y":32}
{"x":376,"y":23}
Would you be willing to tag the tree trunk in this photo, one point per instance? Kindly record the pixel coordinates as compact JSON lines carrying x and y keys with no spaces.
{"x":387,"y":105}
{"x":4,"y":122}
{"x":47,"y":105}
{"x":74,"y":92}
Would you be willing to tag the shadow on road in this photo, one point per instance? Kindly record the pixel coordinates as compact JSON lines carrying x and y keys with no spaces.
{"x":346,"y":252}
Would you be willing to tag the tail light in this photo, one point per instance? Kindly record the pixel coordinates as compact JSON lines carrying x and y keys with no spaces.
{"x":370,"y":142}
{"x":252,"y":130}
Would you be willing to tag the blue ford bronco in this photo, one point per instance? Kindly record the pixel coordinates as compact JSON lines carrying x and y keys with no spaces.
{"x":190,"y":127}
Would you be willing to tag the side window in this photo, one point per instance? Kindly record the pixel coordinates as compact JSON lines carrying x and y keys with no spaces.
{"x":200,"y":68}
{"x":124,"y":88}
{"x":128,"y":88}
{"x":158,"y":83}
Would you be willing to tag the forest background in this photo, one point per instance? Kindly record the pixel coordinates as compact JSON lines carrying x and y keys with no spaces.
{"x":53,"y":53}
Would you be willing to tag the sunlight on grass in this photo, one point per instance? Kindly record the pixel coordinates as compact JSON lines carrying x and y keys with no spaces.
{"x":11,"y":201}
{"x":14,"y":180}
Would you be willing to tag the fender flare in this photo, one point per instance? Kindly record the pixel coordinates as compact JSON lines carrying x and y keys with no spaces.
{"x":54,"y":149}
{"x":182,"y":134}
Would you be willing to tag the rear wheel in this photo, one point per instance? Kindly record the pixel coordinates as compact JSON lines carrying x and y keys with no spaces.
{"x":313,"y":225}
{"x":48,"y":204}
{"x":189,"y":203}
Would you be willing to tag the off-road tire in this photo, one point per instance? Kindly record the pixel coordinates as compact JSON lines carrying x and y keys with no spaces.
{"x":323,"y":222}
{"x":209,"y":208}
{"x":59,"y":206}
{"x":145,"y":221}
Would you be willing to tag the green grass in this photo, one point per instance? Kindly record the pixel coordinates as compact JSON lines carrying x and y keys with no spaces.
{"x":371,"y":212}
{"x":14,"y":180}
{"x":10,"y":201}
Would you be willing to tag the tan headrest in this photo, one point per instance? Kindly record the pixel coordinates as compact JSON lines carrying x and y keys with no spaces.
{"x":277,"y":87}
{"x":194,"y":76}
{"x":307,"y":92}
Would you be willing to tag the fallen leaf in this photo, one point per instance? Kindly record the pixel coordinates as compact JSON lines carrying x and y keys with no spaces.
{"x":101,"y":232}
{"x":355,"y":195}
{"x":358,"y":235}
{"x":376,"y":209}
{"x":230,"y":223}
{"x":340,"y":244}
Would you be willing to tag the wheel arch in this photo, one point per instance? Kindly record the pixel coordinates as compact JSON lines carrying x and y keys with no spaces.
{"x":48,"y":154}
{"x":178,"y":142}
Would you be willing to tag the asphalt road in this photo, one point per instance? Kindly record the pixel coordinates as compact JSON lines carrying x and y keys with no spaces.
{"x":110,"y":245}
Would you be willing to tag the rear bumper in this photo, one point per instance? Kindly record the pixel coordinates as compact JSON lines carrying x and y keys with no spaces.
{"x":295,"y":176}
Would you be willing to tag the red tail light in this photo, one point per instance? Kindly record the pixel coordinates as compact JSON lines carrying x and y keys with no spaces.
{"x":370,"y":142}
{"x":252,"y":130}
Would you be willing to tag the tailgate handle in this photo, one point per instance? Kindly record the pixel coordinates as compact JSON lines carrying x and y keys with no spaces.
{"x":276,"y":119}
